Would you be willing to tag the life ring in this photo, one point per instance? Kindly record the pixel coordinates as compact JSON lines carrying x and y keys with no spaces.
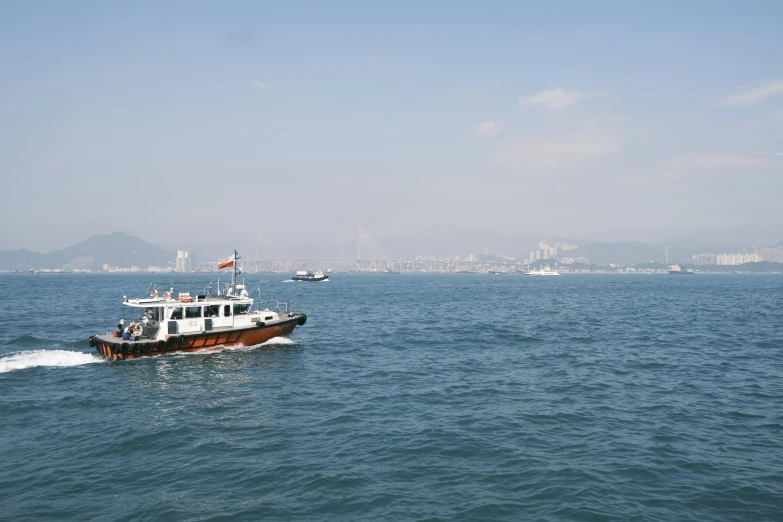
{"x":138,"y":330}
{"x":115,"y":349}
{"x":181,"y":340}
{"x":171,"y":342}
{"x":125,"y":348}
{"x":92,"y":341}
{"x":160,"y":345}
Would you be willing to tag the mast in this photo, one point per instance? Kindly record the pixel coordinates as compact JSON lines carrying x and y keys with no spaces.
{"x":234,"y":273}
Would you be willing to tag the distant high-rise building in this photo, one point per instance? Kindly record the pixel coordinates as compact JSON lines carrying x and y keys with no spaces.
{"x":666,"y":253}
{"x":186,"y":261}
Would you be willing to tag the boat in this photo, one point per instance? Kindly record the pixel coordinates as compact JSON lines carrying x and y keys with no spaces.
{"x":543,"y":271}
{"x":497,"y":272}
{"x":204,"y":320}
{"x":678,"y":270}
{"x":305,"y":275}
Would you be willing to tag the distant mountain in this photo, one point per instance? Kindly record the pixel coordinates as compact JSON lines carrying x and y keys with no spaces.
{"x":117,"y":249}
{"x":20,"y":260}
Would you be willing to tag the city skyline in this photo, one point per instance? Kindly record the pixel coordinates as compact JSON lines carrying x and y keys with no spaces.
{"x":122,"y":252}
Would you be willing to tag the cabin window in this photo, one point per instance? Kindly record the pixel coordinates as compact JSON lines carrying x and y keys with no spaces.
{"x":192,"y":312}
{"x":227,"y":311}
{"x":153,"y":314}
{"x":240,"y":309}
{"x":211,"y":310}
{"x":176,"y":314}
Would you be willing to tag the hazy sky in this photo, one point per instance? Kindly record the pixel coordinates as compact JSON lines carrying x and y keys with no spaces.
{"x":204,"y":121}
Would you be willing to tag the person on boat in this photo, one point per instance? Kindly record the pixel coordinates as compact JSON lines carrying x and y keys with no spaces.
{"x":120,"y":327}
{"x":126,"y":334}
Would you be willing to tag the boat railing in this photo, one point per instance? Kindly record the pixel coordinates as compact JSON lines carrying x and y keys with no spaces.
{"x":285,"y":308}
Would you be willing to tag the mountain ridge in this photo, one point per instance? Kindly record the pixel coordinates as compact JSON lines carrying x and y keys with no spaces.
{"x":115,"y":249}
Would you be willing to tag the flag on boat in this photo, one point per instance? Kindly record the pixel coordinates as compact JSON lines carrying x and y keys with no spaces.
{"x":227,"y":263}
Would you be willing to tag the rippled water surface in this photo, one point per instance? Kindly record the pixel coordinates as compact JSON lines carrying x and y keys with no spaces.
{"x":405,"y":397}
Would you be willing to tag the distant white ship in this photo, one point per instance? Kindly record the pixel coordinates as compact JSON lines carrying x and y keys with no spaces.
{"x":544,"y":271}
{"x":678,"y":270}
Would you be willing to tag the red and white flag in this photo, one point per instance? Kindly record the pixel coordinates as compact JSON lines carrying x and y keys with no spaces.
{"x":227,"y":263}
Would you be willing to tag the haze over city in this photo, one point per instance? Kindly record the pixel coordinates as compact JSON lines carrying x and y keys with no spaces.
{"x":193,"y":122}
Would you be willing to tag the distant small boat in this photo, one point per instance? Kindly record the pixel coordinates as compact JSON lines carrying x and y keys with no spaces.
{"x":678,"y":270}
{"x":497,"y":272}
{"x":544,"y":271}
{"x":304,"y":275}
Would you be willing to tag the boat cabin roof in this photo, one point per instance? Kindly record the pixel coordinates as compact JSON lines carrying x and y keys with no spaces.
{"x":198,"y":294}
{"x":185,"y":301}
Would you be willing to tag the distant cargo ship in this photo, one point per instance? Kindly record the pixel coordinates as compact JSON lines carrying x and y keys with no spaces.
{"x":678,"y":270}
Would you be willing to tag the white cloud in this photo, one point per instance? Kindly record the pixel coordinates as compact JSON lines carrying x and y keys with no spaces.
{"x":259,"y":84}
{"x":489,"y":128}
{"x":754,"y":95}
{"x":550,"y":151}
{"x":556,"y":99}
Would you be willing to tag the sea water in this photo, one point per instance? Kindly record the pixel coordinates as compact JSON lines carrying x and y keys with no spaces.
{"x":404,"y":397}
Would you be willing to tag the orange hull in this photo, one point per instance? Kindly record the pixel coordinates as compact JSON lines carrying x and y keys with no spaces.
{"x":198,"y":341}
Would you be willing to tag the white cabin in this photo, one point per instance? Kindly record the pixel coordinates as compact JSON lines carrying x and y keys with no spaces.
{"x":165,"y":315}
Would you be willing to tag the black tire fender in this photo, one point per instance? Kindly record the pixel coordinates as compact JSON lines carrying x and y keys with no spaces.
{"x":91,"y":340}
{"x":160,"y":345}
{"x":302,"y":320}
{"x":171,"y":342}
{"x":181,"y":341}
{"x":125,"y":348}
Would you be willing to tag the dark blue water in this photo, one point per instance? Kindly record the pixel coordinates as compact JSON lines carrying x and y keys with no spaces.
{"x":405,"y":397}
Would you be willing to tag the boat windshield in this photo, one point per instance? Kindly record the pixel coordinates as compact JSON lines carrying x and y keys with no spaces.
{"x":241,"y":309}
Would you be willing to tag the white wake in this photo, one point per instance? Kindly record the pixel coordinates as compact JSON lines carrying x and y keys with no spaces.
{"x":271,"y":342}
{"x":33,"y":358}
{"x":278,"y":340}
